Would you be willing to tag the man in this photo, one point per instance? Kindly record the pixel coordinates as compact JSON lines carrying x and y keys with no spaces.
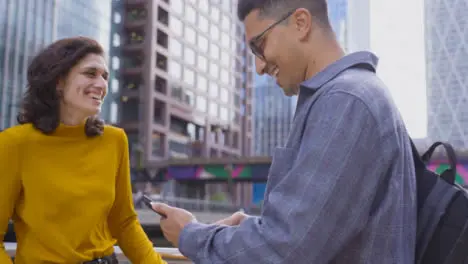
{"x":343,"y":188}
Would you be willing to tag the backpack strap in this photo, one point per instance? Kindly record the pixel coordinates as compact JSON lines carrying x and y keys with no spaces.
{"x":450,"y":174}
{"x":418,"y":161}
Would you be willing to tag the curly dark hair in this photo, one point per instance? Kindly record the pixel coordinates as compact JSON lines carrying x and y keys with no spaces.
{"x":41,"y":101}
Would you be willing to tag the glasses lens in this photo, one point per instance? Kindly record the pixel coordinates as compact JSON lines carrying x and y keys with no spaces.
{"x":256,"y":50}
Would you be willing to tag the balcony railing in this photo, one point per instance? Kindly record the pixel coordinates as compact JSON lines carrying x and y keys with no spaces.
{"x":171,"y":255}
{"x":197,"y":205}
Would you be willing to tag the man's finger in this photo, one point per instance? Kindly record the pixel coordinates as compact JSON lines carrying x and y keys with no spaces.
{"x":161,"y":208}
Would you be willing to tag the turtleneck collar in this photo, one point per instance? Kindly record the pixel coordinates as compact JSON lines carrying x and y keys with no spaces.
{"x":77,"y":131}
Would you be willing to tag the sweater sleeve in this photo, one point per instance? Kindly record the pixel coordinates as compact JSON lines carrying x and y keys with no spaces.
{"x":123,"y":220}
{"x":10,"y":183}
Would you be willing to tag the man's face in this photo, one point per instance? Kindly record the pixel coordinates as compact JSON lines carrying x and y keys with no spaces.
{"x":275,"y":43}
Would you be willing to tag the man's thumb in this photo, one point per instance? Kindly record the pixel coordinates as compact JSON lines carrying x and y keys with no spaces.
{"x":161,"y":207}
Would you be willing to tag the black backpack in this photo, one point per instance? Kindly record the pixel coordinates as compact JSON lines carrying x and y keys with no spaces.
{"x":442,"y":230}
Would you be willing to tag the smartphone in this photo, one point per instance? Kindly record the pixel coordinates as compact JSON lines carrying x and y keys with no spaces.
{"x":148,"y":202}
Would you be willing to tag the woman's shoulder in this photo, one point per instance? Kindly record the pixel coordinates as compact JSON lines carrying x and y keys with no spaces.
{"x":18,"y":130}
{"x":113,"y":132}
{"x":16,"y":134}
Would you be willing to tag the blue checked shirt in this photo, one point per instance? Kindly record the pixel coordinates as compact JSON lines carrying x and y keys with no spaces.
{"x":348,"y":143}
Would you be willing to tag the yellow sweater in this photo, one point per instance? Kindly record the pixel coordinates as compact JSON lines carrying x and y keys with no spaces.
{"x":69,"y":196}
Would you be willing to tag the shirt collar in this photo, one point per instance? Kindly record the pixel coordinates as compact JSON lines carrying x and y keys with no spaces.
{"x":364,"y":58}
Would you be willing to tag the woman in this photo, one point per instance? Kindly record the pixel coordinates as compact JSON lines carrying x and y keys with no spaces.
{"x":64,"y":175}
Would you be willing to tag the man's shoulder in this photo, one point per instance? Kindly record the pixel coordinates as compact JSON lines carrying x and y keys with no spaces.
{"x":367,"y":87}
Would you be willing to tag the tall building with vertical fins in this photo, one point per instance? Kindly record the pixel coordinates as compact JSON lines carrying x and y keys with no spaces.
{"x":447,"y":71}
{"x":26,"y":26}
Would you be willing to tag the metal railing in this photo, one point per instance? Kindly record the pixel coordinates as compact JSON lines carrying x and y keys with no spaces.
{"x":170,"y":255}
{"x":197,"y":205}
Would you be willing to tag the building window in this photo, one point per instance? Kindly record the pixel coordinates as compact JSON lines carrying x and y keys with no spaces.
{"x":215,"y":14}
{"x":224,"y":115}
{"x":114,"y":113}
{"x":162,"y":39}
{"x":202,"y":63}
{"x":163,"y":16}
{"x":225,"y":59}
{"x":175,"y":69}
{"x":130,"y":109}
{"x":214,"y":51}
{"x":202,"y":43}
{"x":175,"y":47}
{"x":201,"y":103}
{"x":203,"y":24}
{"x":189,"y":56}
{"x":157,"y":140}
{"x":161,"y":61}
{"x":202,"y":83}
{"x":225,"y":95}
{"x":160,"y":85}
{"x":214,"y":70}
{"x":214,"y":90}
{"x":190,"y":14}
{"x":176,"y":26}
{"x":203,"y":5}
{"x":177,"y":6}
{"x":117,"y":18}
{"x":214,"y":32}
{"x":190,"y":35}
{"x":189,"y":76}
{"x":115,"y":85}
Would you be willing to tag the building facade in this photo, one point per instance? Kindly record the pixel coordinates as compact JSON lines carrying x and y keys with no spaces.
{"x":273,"y":115}
{"x":184,"y":79}
{"x":27,"y":26}
{"x":447,"y":67}
{"x":91,"y":19}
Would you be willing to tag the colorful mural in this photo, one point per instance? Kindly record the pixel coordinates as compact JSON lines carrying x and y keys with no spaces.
{"x":462,"y":171}
{"x":254,"y":172}
{"x":259,"y":172}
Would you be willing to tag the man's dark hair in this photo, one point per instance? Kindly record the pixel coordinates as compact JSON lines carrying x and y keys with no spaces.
{"x":277,"y":8}
{"x":41,"y":101}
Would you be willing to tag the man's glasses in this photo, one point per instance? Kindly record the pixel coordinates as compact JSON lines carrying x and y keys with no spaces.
{"x":255,"y":41}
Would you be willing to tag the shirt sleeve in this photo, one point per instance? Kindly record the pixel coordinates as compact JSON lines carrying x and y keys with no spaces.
{"x":322,"y":202}
{"x":123,"y":219}
{"x":10,"y":183}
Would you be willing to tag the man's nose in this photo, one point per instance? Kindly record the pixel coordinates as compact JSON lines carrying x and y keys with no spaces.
{"x":260,"y":66}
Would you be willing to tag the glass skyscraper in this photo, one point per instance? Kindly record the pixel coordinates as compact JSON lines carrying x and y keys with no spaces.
{"x":447,"y":67}
{"x":26,"y":26}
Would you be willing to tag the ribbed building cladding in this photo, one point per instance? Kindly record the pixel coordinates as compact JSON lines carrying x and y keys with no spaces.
{"x":447,"y":68}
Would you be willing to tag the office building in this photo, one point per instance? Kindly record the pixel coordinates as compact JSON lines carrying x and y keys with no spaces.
{"x":185,"y":79}
{"x":447,"y":67}
{"x":91,"y":19}
{"x":273,"y":116}
{"x":27,"y":26}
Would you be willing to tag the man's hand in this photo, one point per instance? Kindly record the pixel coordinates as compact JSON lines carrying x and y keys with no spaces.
{"x":233,"y":220}
{"x":176,"y":219}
